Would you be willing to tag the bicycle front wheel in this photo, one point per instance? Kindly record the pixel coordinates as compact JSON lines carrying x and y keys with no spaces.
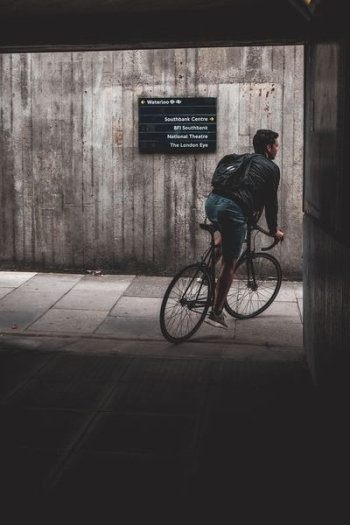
{"x":255,"y":285}
{"x":185,"y":304}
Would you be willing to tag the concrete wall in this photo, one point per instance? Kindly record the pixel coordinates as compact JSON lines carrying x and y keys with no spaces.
{"x":75,"y":193}
{"x":326,"y":308}
{"x":327,"y":234}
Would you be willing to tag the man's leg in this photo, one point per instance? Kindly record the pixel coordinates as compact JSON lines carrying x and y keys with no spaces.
{"x":224,"y":283}
{"x":217,"y":247}
{"x":216,"y":316}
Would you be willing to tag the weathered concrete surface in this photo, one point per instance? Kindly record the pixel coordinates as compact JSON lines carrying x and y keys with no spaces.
{"x":327,"y":309}
{"x":326,"y":223}
{"x":76,"y":193}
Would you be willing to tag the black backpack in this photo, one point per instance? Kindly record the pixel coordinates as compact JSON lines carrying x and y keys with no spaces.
{"x":230,"y":172}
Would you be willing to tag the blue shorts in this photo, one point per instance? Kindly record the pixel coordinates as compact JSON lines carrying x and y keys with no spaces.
{"x":229,"y":220}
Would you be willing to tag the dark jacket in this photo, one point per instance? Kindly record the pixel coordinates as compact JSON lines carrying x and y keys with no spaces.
{"x":256,"y":189}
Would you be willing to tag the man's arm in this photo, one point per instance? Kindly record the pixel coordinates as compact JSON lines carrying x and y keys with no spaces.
{"x":271,"y":204}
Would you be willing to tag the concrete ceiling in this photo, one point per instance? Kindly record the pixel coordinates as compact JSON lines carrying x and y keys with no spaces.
{"x":91,"y":24}
{"x":112,"y":7}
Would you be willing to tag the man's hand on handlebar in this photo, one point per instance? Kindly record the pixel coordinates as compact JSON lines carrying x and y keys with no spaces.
{"x":279,"y":235}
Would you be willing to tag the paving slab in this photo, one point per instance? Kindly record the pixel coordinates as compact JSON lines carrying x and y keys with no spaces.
{"x":69,"y":321}
{"x":84,"y":368}
{"x":48,"y":393}
{"x":14,"y":279}
{"x":27,"y":473}
{"x":161,"y":397}
{"x":44,"y":428}
{"x":137,"y":307}
{"x":298,"y":288}
{"x":18,"y":319}
{"x":23,"y":363}
{"x":286,"y":292}
{"x":99,"y":300}
{"x":130,"y":327}
{"x":261,"y":372}
{"x":29,"y":300}
{"x":266,"y":330}
{"x":5,"y":291}
{"x":118,"y":283}
{"x":47,"y":283}
{"x":169,"y":370}
{"x":93,"y":484}
{"x":283,"y":311}
{"x":56,"y":276}
{"x":134,"y":434}
{"x":148,"y":286}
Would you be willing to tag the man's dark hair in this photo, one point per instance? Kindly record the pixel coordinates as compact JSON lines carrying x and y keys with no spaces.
{"x":262,"y":138}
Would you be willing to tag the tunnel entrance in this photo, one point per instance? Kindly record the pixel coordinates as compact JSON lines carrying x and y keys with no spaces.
{"x":79,"y":196}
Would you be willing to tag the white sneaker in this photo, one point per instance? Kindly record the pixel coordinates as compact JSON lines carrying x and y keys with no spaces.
{"x":216,"y":320}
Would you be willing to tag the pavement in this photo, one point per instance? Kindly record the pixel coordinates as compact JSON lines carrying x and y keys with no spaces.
{"x":126,"y":307}
{"x":104,"y":420}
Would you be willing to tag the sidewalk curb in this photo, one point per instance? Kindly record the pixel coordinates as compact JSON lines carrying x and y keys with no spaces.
{"x":107,"y":337}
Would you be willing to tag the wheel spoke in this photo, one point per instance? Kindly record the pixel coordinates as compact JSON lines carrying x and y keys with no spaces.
{"x":185,"y":303}
{"x":249,"y":297}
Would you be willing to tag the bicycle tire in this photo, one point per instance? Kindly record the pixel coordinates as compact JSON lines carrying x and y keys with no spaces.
{"x":251,"y":295}
{"x":181,"y":315}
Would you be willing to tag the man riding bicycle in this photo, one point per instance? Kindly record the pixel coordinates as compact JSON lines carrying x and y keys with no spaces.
{"x":234,"y":201}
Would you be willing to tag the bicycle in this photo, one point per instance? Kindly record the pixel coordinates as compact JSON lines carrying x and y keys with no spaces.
{"x":257,"y":281}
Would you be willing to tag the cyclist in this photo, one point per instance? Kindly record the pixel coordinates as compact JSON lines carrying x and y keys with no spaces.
{"x":229,"y":207}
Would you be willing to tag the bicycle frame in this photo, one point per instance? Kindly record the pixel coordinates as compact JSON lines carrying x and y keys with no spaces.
{"x":207,"y":263}
{"x":250,"y":228}
{"x":193,"y":288}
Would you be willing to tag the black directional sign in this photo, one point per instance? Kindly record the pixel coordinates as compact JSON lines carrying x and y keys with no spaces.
{"x":177,"y":125}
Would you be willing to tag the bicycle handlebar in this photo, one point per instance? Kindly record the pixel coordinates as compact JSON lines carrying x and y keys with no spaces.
{"x":262,"y":230}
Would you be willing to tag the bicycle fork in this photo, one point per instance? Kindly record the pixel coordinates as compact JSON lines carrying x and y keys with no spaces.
{"x":251,"y":280}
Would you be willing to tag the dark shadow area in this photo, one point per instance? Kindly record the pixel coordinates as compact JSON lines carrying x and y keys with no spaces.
{"x":165,"y":28}
{"x":121,"y":437}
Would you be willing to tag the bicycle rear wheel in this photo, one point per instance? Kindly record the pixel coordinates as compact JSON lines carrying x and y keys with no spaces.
{"x":185,"y":303}
{"x":256,"y":283}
